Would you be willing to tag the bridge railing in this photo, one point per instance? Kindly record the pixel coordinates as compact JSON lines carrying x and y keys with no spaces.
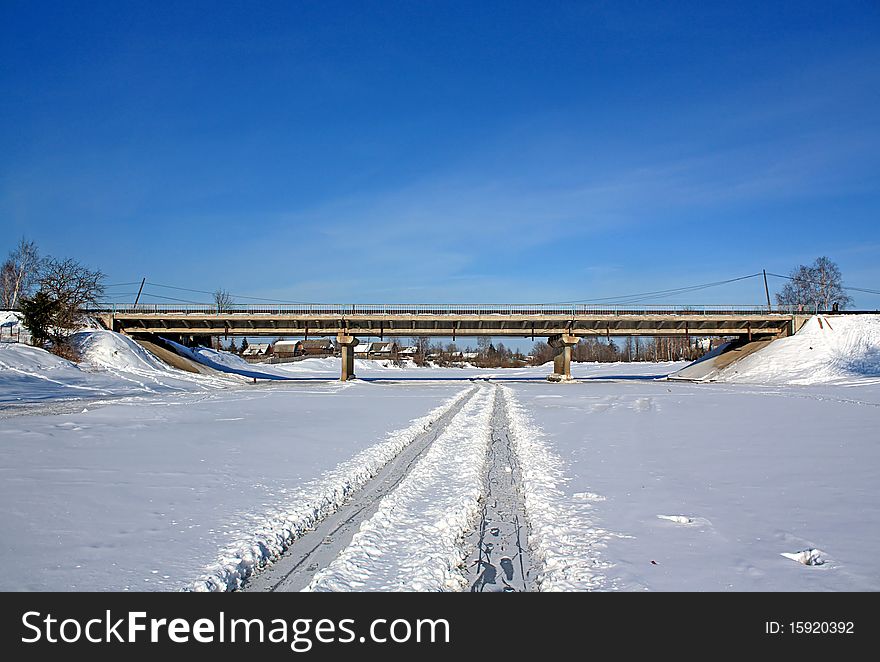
{"x":345,"y":310}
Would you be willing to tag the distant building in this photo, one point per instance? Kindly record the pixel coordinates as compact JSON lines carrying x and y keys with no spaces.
{"x":317,"y":347}
{"x":407,"y":352}
{"x":11,"y":329}
{"x":376,"y":350}
{"x":258,"y":350}
{"x":285,"y":348}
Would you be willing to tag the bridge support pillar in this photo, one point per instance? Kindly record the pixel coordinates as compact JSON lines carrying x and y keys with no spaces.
{"x":562,"y":361}
{"x":346,"y":347}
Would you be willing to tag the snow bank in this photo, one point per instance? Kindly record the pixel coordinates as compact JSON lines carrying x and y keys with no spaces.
{"x":838,"y":349}
{"x":413,"y":541}
{"x":37,"y":363}
{"x":563,"y":541}
{"x":29,"y":374}
{"x":115,"y":351}
{"x":310,"y":504}
{"x":132,"y":365}
{"x":112,"y":365}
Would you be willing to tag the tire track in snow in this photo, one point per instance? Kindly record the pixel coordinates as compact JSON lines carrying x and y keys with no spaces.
{"x":563,"y":542}
{"x":318,"y":547}
{"x":499,"y":559}
{"x":413,"y":542}
{"x":312,"y":504}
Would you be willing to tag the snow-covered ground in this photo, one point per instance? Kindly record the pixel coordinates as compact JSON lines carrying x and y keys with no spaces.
{"x":677,"y":486}
{"x":330,"y":368}
{"x":153,"y":493}
{"x":148,"y":478}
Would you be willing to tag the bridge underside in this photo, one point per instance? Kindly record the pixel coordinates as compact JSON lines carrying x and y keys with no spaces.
{"x":770,"y":325}
{"x":562,"y":331}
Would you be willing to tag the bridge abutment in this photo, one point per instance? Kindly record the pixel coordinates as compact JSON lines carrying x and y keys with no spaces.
{"x":562,"y":361}
{"x":346,"y":347}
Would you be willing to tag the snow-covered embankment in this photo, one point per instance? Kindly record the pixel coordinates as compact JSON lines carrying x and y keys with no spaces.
{"x":832,"y":349}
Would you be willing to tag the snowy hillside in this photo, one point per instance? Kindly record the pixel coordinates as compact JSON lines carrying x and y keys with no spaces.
{"x":112,"y":365}
{"x":840,"y":349}
{"x":115,"y":351}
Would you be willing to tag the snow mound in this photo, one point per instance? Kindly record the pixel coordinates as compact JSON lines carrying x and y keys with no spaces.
{"x":19,"y":358}
{"x":112,"y":365}
{"x":587,"y":496}
{"x":678,"y":519}
{"x":29,"y":374}
{"x":115,"y":351}
{"x":807,"y":556}
{"x":839,"y":349}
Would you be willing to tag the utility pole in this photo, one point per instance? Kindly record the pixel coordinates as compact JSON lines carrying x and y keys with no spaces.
{"x":767,"y":292}
{"x":141,"y":289}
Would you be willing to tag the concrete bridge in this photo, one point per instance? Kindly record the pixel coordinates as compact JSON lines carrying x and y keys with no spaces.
{"x":562,"y":326}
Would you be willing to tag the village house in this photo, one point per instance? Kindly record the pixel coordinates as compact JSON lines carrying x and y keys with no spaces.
{"x":408,"y":352}
{"x":285,"y":349}
{"x":256,"y":352}
{"x":376,"y":350}
{"x":316,"y":347}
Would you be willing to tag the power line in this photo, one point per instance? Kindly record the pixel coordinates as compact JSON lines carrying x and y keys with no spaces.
{"x":623,"y":299}
{"x":237,"y":296}
{"x":635,"y":298}
{"x":818,"y":282}
{"x":159,"y":296}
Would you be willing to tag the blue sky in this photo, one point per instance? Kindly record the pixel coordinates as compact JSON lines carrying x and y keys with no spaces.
{"x":444,"y":151}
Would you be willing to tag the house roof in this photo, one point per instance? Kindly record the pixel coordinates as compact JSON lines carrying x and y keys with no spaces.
{"x":254,"y":350}
{"x":374,"y":348}
{"x":320,"y":343}
{"x":382,"y":347}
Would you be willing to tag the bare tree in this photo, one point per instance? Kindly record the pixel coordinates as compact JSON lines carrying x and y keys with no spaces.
{"x":7,"y":284}
{"x":421,"y":344}
{"x":74,"y":288}
{"x":541,"y":353}
{"x":223,"y":300}
{"x":20,"y":273}
{"x":817,"y":286}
